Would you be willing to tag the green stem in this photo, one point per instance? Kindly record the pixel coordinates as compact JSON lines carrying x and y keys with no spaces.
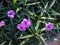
{"x":37,"y":25}
{"x":12,"y":23}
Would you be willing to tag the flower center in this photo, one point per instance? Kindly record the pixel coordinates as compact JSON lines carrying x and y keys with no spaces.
{"x":48,"y":26}
{"x":11,"y":13}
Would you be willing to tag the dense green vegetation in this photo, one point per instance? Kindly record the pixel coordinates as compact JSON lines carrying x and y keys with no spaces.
{"x":39,"y":12}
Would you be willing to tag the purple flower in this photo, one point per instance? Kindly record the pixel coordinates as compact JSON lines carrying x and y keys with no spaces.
{"x":2,"y":23}
{"x":24,"y":25}
{"x":49,"y":26}
{"x":11,"y":14}
{"x":21,"y":27}
{"x":26,"y":22}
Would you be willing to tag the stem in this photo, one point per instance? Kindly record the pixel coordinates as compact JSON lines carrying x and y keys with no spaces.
{"x":12,"y":23}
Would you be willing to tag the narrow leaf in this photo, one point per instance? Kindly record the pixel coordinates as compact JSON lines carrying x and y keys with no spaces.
{"x":27,"y":36}
{"x":52,"y":4}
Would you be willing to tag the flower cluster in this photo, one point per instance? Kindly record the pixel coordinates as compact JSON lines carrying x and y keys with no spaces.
{"x":2,"y":23}
{"x":11,"y":14}
{"x":24,"y":24}
{"x":49,"y":26}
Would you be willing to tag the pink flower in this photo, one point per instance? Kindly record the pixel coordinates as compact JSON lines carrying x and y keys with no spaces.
{"x":49,"y":26}
{"x":26,"y":22}
{"x":11,"y":14}
{"x":21,"y":27}
{"x":2,"y":23}
{"x":24,"y":25}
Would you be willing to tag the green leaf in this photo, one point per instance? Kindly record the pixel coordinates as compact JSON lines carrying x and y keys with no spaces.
{"x":25,"y":1}
{"x":46,"y":5}
{"x":48,"y":18}
{"x":14,"y":1}
{"x":23,"y":42}
{"x":18,"y":9}
{"x":43,"y":29}
{"x":40,"y":36}
{"x":43,"y":40}
{"x":55,"y":13}
{"x":37,"y":25}
{"x":3,"y":43}
{"x":30,"y":13}
{"x":52,"y":4}
{"x":12,"y":23}
{"x":33,"y":3}
{"x":27,"y":36}
{"x":10,"y":42}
